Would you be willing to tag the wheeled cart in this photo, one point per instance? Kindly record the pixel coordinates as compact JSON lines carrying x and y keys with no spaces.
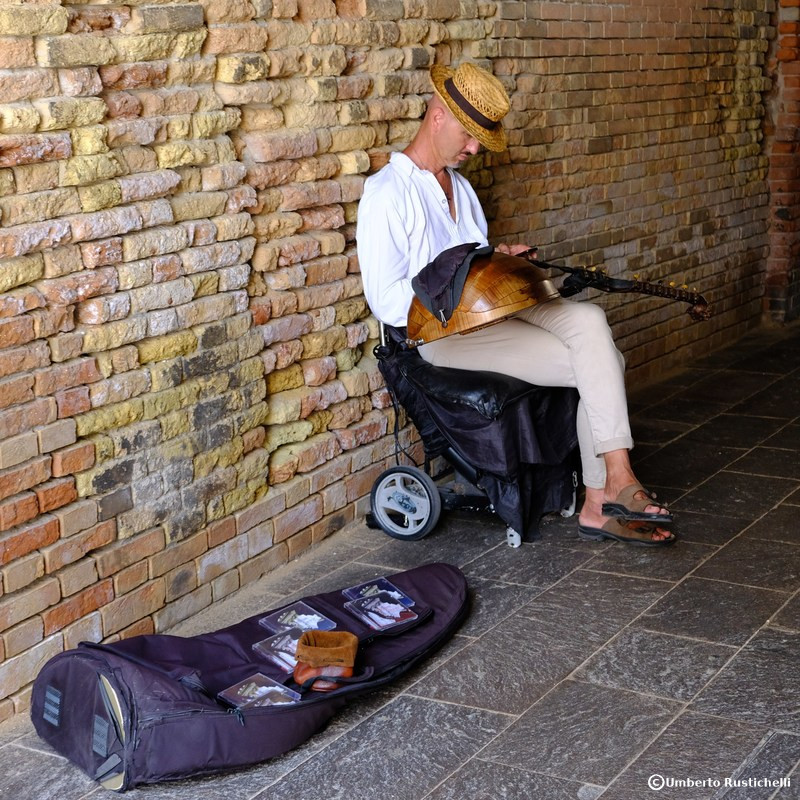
{"x":512,"y":446}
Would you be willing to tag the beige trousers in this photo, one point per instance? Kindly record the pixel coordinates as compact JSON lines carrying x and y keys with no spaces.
{"x":557,"y":343}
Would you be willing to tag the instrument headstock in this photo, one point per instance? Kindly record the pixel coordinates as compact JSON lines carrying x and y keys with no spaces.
{"x":597,"y":278}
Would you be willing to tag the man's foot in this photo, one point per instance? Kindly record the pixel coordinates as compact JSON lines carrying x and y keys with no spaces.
{"x":631,"y":532}
{"x":635,"y":503}
{"x":592,"y":519}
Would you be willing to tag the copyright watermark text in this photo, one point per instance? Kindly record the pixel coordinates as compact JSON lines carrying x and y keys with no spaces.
{"x":658,"y":782}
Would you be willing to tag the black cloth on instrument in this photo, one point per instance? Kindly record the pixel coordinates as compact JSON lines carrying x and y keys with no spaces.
{"x":439,"y":284}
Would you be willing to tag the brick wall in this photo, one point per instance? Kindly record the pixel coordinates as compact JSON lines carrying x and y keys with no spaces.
{"x":782,"y":295}
{"x":187,"y":392}
{"x":638,"y":146}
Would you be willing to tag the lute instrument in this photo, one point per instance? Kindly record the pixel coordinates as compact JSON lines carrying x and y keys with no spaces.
{"x":497,"y":286}
{"x":500,"y":285}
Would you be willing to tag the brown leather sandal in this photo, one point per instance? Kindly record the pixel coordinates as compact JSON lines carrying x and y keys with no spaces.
{"x":630,"y":532}
{"x":630,"y":504}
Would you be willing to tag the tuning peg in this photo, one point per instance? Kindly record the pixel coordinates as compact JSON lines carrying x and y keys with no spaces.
{"x":672,"y":283}
{"x":636,"y":276}
{"x":685,"y":286}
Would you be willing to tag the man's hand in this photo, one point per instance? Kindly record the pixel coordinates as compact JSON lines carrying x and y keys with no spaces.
{"x":514,"y":249}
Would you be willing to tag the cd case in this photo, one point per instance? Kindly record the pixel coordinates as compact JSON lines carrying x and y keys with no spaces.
{"x":380,"y":611}
{"x":258,"y":691}
{"x":297,"y":615}
{"x":281,"y":648}
{"x":376,"y":586}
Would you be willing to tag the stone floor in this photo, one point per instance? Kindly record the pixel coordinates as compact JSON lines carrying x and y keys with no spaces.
{"x":585,"y":670}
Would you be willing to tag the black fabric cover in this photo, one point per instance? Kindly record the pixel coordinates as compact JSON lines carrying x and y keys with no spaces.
{"x":440,"y":283}
{"x":172,"y":724}
{"x":521,"y":438}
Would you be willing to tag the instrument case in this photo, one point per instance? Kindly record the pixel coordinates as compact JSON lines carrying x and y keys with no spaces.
{"x":145,"y":709}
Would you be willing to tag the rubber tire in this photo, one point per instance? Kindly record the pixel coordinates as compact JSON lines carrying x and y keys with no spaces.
{"x":415,"y":487}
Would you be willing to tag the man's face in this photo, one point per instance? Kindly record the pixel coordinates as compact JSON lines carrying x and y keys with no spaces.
{"x":455,"y":144}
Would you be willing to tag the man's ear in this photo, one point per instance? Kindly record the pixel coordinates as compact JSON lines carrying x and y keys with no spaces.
{"x":438,"y":115}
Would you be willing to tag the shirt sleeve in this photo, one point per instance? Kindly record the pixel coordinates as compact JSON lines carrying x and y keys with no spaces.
{"x":383,"y":254}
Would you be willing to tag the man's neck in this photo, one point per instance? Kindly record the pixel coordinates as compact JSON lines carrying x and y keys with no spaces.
{"x":424,"y":158}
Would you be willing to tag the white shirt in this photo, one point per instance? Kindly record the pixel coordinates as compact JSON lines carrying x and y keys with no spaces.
{"x":404,"y":222}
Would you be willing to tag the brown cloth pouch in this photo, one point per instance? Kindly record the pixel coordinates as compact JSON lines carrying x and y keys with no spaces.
{"x":330,"y":654}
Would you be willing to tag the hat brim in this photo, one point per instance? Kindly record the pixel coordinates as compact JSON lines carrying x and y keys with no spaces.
{"x":494,"y":140}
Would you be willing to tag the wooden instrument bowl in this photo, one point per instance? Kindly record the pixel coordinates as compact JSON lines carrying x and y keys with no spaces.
{"x":497,"y":286}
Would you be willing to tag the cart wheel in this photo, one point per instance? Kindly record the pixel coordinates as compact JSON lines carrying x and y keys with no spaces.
{"x":405,"y":503}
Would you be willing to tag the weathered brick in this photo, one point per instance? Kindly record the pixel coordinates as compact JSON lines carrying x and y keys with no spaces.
{"x":148,"y":185}
{"x":22,"y":605}
{"x":177,"y":554}
{"x":76,"y":577}
{"x":36,"y":20}
{"x":25,"y":84}
{"x":79,"y":82}
{"x":73,"y":50}
{"x":126,"y":580}
{"x":19,"y":117}
{"x":17,"y":510}
{"x":55,"y":493}
{"x":107,"y":223}
{"x":102,"y":253}
{"x":16,"y":52}
{"x":131,"y":608}
{"x":69,"y":112}
{"x":18,"y":449}
{"x":38,"y":206}
{"x":59,"y":434}
{"x":264,"y":147}
{"x":21,"y":239}
{"x":72,"y":459}
{"x":247,"y":38}
{"x":83,"y":169}
{"x":220,"y":559}
{"x":14,"y":303}
{"x":66,"y":375}
{"x":17,"y":479}
{"x":16,"y":420}
{"x":115,"y":503}
{"x":298,"y":517}
{"x":183,"y":608}
{"x":26,"y":539}
{"x":22,"y":637}
{"x":180,"y":581}
{"x":122,"y":554}
{"x":88,"y":629}
{"x":72,"y":401}
{"x":75,"y":288}
{"x":15,"y":673}
{"x":76,"y":517}
{"x":79,"y":605}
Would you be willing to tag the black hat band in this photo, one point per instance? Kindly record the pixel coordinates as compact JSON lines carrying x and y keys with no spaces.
{"x":468,"y":108}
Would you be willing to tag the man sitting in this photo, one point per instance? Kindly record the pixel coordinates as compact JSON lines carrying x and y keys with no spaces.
{"x":417,"y":206}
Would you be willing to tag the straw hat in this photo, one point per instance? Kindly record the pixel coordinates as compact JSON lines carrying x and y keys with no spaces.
{"x":477,"y":99}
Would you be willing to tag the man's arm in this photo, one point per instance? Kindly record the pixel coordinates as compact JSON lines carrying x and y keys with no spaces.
{"x":384,"y":258}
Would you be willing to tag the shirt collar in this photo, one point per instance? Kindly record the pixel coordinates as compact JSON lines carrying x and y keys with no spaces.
{"x":402,"y":162}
